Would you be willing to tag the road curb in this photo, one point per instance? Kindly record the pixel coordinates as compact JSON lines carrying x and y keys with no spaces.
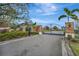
{"x":66,"y":50}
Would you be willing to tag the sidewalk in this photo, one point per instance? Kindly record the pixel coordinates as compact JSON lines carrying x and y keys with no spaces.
{"x":66,"y":50}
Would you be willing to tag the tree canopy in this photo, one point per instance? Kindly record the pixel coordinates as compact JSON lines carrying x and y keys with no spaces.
{"x":69,"y":14}
{"x":14,"y":11}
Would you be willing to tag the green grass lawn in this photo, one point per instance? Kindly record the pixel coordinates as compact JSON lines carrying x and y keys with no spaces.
{"x":75,"y":48}
{"x":46,"y":30}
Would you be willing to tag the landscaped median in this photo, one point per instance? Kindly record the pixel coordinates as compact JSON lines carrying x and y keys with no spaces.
{"x":14,"y":34}
{"x":66,"y":50}
{"x":72,"y":46}
{"x":75,"y":47}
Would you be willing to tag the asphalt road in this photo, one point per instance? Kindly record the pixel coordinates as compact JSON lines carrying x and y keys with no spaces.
{"x":45,"y":45}
{"x":39,"y":45}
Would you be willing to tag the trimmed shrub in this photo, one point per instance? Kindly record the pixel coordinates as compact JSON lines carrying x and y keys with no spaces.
{"x":14,"y":34}
{"x":11,"y":35}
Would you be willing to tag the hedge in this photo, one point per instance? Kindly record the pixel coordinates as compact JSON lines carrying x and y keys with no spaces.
{"x":15,"y":34}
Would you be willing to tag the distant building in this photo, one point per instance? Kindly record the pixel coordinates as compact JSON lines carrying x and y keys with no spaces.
{"x":22,"y":27}
{"x":4,"y":27}
{"x":37,"y":28}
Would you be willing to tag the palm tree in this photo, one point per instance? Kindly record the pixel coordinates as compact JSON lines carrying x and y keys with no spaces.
{"x":69,"y":14}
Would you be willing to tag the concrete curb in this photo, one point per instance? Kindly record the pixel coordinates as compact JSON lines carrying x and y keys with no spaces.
{"x":66,"y":50}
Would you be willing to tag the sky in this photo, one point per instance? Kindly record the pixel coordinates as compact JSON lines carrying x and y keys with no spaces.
{"x":47,"y":13}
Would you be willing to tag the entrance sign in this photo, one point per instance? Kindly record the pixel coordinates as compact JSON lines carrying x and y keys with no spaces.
{"x":69,"y":29}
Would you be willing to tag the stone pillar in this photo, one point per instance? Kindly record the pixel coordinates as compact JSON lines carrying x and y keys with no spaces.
{"x":72,"y":34}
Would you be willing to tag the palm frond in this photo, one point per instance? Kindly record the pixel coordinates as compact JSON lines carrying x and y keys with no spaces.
{"x":75,"y":17}
{"x":65,"y":9}
{"x":75,"y":10}
{"x":62,"y":16}
{"x":68,"y":12}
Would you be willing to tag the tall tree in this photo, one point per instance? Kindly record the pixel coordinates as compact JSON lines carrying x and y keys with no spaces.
{"x":7,"y":12}
{"x":68,"y":14}
{"x":55,"y":28}
{"x":13,"y":12}
{"x":34,"y":24}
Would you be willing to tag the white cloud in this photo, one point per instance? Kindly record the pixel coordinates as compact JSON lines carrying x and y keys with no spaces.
{"x":48,"y":7}
{"x":50,"y":13}
{"x":54,"y":8}
{"x":45,"y":9}
{"x":39,"y":11}
{"x":40,"y":20}
{"x":43,"y":22}
{"x":37,"y":20}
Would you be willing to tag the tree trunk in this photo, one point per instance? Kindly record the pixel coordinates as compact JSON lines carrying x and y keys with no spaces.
{"x":78,"y":26}
{"x":68,"y":18}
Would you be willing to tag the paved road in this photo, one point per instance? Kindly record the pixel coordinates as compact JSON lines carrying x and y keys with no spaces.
{"x":39,"y":45}
{"x":45,"y":45}
{"x":54,"y":33}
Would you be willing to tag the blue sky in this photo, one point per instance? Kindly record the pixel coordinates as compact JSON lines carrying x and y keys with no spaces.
{"x":48,"y":13}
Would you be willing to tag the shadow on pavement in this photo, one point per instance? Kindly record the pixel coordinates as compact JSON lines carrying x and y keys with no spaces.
{"x":53,"y":34}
